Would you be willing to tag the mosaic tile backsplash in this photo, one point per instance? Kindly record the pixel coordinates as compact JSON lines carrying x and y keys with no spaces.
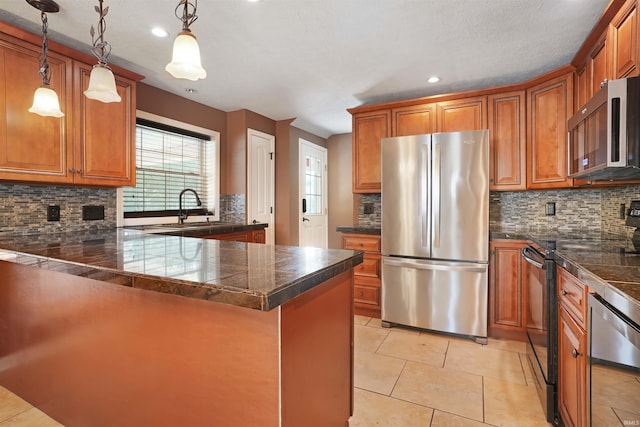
{"x":233,"y":208}
{"x":23,"y":208}
{"x":575,"y":210}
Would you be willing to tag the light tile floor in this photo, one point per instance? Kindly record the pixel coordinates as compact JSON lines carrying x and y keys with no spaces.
{"x":407,"y":378}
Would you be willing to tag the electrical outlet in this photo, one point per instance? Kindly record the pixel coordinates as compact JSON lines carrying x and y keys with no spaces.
{"x":368,"y":208}
{"x":92,"y":213}
{"x":53,"y":213}
{"x":550,"y":209}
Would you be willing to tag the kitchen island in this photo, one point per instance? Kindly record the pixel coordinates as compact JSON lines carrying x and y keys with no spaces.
{"x":126,"y":328}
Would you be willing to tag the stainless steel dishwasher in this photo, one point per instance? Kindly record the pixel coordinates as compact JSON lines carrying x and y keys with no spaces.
{"x":613,"y":369}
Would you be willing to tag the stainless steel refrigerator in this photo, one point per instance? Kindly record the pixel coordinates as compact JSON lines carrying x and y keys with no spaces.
{"x":435,"y":232}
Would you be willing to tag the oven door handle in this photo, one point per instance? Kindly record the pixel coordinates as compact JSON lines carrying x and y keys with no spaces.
{"x":526,"y":251}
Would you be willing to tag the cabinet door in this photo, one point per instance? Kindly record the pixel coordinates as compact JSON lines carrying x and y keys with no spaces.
{"x":368,"y":131}
{"x":581,"y":92}
{"x":624,"y":38}
{"x":599,"y":66}
{"x":105,"y":134}
{"x":549,"y":108}
{"x":32,"y":147}
{"x":571,"y":370}
{"x":464,"y":114}
{"x":413,"y":120}
{"x":507,"y":124}
{"x":506,"y":291}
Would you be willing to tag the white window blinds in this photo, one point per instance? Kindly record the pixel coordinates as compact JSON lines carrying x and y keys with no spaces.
{"x":168,"y":160}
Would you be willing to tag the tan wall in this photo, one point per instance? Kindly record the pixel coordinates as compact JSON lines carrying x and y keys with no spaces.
{"x":340,"y":192}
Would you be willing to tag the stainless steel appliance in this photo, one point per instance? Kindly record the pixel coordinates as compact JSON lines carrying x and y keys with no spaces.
{"x":435,"y":232}
{"x":542,"y":325}
{"x":613,"y":370}
{"x":604,"y":135}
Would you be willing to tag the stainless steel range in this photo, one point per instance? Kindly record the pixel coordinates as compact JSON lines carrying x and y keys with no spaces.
{"x":542,"y":325}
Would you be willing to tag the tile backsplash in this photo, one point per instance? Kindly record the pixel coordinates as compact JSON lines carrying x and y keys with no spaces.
{"x":576,"y":210}
{"x":23,"y":208}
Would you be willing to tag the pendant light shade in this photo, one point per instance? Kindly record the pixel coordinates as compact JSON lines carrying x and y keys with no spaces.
{"x":185,"y":62}
{"x":102,"y":85}
{"x":45,"y":99}
{"x":45,"y":102}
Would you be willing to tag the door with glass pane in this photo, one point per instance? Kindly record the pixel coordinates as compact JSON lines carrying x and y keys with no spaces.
{"x":313,"y":194}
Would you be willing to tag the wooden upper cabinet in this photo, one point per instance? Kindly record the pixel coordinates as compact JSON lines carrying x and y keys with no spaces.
{"x":413,"y":120}
{"x":32,"y":147}
{"x":599,"y":66}
{"x":105,"y":134}
{"x":368,"y":130}
{"x":507,"y":124}
{"x":624,"y":40}
{"x":549,"y":107}
{"x":463,"y":114}
{"x":581,"y":88}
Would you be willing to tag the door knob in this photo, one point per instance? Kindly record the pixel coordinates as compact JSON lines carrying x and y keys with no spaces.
{"x":574,"y":353}
{"x":254,"y":222}
{"x":305,"y":219}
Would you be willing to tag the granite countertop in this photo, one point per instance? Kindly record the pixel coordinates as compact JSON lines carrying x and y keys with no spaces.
{"x":609,"y":264}
{"x":195,"y":229}
{"x":250,"y":275}
{"x":359,"y":229}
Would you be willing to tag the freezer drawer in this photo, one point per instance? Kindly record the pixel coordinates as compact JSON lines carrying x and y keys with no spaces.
{"x":441,"y":296}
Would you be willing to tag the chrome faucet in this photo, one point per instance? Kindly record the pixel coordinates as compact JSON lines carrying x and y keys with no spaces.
{"x":184,"y":215}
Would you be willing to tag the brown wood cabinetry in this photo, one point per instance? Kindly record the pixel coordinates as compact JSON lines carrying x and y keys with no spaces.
{"x":463,"y":114}
{"x":624,"y":41}
{"x":549,"y":106}
{"x":250,"y":236}
{"x":413,"y":120}
{"x":572,"y":343}
{"x":366,"y":276}
{"x":33,"y":147}
{"x":368,"y":130}
{"x":104,"y":133}
{"x":598,"y":66}
{"x":93,"y":144}
{"x":507,"y":124}
{"x":507,"y":293}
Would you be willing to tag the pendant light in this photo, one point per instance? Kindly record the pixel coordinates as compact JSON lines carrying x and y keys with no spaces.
{"x":185,"y":62}
{"x":45,"y":99}
{"x":102,"y":84}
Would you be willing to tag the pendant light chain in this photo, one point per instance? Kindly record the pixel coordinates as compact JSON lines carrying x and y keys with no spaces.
{"x":101,"y":48}
{"x":44,"y":69}
{"x":186,"y":17}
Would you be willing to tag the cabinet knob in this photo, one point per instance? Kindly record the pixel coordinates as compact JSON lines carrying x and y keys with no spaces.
{"x":563,"y":292}
{"x":574,"y":353}
{"x":361,"y":294}
{"x":79,"y":170}
{"x":360,"y":244}
{"x":71,"y":170}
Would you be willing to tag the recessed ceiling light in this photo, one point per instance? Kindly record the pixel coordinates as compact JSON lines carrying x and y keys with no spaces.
{"x":253,"y":1}
{"x":433,"y":79}
{"x":190,"y":90}
{"x":159,"y":32}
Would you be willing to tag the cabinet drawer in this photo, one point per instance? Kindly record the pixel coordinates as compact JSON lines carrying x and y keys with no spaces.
{"x":370,"y":267}
{"x":366,"y":295}
{"x":572,"y":294}
{"x":361,"y":243}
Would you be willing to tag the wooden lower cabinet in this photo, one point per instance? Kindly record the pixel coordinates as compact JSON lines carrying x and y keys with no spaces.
{"x":366,"y":276}
{"x":572,"y":350}
{"x":251,"y":236}
{"x":507,"y":290}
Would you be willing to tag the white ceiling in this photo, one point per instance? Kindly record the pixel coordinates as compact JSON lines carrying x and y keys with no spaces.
{"x":313,"y":59}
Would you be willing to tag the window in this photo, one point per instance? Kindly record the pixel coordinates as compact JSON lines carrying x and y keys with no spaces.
{"x":170,"y":157}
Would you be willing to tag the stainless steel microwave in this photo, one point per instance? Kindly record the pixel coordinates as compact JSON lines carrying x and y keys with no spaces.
{"x":604,"y":135}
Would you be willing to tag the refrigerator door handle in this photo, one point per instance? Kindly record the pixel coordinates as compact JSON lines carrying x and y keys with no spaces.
{"x":473,"y":268}
{"x":435,"y":191}
{"x":424,"y":194}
